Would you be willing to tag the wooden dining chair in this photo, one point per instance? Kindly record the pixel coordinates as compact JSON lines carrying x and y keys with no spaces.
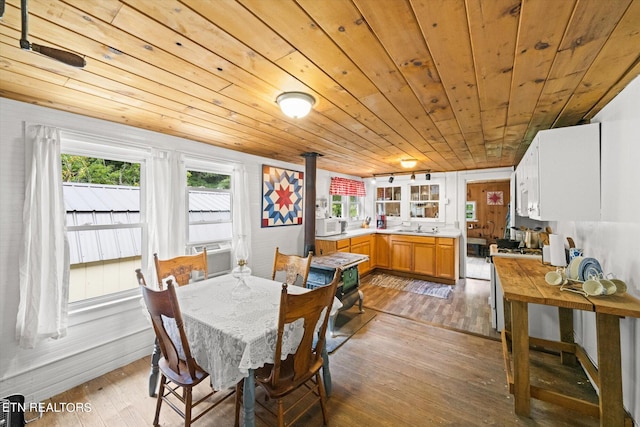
{"x":180,"y":373}
{"x":293,"y":266}
{"x":302,"y":368}
{"x":181,"y":267}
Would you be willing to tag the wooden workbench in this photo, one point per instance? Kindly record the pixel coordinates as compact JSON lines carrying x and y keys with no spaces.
{"x":522,"y":282}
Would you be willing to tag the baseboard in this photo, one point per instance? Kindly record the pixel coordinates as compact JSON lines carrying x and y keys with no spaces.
{"x":58,"y":376}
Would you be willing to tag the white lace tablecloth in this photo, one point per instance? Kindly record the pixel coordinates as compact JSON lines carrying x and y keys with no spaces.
{"x":228,"y":337}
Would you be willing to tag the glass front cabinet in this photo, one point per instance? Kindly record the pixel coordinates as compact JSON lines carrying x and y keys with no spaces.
{"x":424,"y":201}
{"x":388,"y":200}
{"x":411,"y":201}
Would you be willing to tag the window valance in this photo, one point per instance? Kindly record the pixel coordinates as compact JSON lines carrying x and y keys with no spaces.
{"x":346,"y":187}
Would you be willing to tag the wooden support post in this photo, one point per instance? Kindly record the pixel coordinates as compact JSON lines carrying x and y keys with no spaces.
{"x":565,"y":316}
{"x":609,"y":370}
{"x":520,"y":343}
{"x":309,"y":214}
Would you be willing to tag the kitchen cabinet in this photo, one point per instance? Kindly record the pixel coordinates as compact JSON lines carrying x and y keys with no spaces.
{"x":381,"y":249}
{"x":401,"y":249}
{"x":362,"y":245}
{"x":424,"y":257}
{"x":447,"y":258}
{"x":343,"y":245}
{"x":558,"y":178}
{"x":436,"y":257}
{"x":359,"y":245}
{"x":388,"y":200}
{"x":324,"y":247}
{"x":431,"y":256}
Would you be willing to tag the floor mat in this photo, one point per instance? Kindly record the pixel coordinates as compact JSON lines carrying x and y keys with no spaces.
{"x":415,"y":286}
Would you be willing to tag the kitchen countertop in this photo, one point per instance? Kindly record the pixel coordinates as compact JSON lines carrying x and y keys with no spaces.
{"x":493,"y":252}
{"x":452,"y":233}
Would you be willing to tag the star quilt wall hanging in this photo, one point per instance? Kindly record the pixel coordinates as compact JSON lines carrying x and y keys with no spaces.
{"x":495,"y":198}
{"x":281,"y":196}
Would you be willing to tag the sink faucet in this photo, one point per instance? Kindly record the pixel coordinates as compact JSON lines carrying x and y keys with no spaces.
{"x":419,"y":227}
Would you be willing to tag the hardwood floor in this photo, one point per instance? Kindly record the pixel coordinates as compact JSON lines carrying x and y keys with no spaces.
{"x":393,"y":372}
{"x":467,"y":308}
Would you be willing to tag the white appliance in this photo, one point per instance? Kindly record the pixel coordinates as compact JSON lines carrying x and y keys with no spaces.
{"x":328,"y":227}
{"x":543,"y":319}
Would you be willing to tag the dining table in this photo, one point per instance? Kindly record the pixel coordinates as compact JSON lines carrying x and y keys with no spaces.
{"x":232,"y":333}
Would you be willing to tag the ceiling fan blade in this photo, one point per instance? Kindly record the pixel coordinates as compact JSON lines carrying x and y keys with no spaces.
{"x":60,"y":55}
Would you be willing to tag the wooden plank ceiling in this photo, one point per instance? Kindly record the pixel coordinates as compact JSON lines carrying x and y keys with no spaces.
{"x":455,"y":84}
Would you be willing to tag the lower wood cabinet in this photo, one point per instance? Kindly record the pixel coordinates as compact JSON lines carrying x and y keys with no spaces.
{"x":381,"y":249}
{"x":447,"y":258}
{"x":401,"y":254}
{"x":358,"y":245}
{"x":424,"y":258}
{"x":435,"y":257}
{"x":362,"y":245}
{"x":413,"y":254}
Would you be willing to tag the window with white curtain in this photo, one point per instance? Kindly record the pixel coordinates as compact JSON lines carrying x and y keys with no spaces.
{"x":103,"y":194}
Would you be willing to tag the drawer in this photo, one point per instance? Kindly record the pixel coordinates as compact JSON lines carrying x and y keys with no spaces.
{"x":344,"y":243}
{"x":360,"y":239}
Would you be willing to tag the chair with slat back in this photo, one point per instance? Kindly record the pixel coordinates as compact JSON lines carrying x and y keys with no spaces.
{"x":293,"y":266}
{"x":301,"y":368}
{"x":181,"y":267}
{"x":155,"y":356}
{"x":180,"y":371}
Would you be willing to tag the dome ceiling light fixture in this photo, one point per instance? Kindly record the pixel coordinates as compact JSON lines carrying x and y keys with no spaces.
{"x":295,"y":104}
{"x":408,"y":163}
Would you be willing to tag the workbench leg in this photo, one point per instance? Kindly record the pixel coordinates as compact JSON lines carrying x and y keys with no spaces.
{"x":520,"y":351}
{"x":507,"y":318}
{"x":609,"y":370}
{"x":566,"y":335}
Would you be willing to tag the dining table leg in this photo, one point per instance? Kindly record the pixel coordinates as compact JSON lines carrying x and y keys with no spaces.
{"x":326,"y":373}
{"x":155,"y":370}
{"x":249,"y":400}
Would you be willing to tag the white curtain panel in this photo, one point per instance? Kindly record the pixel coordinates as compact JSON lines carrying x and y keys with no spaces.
{"x":44,"y":258}
{"x":241,"y":217}
{"x":166,"y":209}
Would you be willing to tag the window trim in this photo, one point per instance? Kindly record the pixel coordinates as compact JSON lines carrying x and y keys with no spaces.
{"x":346,"y":206}
{"x":81,"y":144}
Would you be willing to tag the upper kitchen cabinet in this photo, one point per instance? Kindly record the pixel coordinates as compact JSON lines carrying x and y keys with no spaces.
{"x":388,"y":200}
{"x":558,"y":178}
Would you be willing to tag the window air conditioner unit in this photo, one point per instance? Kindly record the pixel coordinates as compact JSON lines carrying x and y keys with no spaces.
{"x":218,"y":257}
